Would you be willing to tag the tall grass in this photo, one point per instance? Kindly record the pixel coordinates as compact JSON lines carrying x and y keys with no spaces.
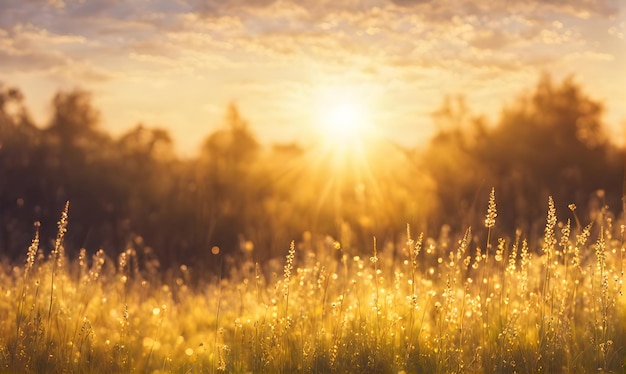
{"x":420,"y":305}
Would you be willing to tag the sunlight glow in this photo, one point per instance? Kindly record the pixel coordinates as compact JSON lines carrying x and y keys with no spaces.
{"x":342,"y":116}
{"x":343,"y":120}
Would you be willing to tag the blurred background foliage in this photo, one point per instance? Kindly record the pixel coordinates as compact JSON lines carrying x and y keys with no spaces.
{"x":245,"y":197}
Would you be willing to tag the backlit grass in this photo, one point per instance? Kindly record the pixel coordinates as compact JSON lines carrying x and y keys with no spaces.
{"x":456,"y":303}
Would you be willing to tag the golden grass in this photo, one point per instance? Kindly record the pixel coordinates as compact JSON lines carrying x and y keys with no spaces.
{"x":423,"y":305}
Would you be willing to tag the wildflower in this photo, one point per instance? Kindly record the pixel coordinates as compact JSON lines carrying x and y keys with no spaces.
{"x":490,"y":220}
{"x":289,"y":267}
{"x":32,"y":251}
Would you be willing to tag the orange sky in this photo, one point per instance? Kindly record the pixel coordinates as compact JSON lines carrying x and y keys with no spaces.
{"x":178,"y":63}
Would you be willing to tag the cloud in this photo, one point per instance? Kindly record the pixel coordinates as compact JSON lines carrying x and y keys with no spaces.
{"x":411,"y":2}
{"x":51,"y":64}
{"x":29,"y":61}
{"x":579,"y":8}
{"x":28,"y":49}
{"x":585,"y":8}
{"x":357,"y":35}
{"x":221,"y":7}
{"x":106,"y":39}
{"x":490,"y":39}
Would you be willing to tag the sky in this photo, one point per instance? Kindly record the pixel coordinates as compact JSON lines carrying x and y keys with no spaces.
{"x":177,"y":64}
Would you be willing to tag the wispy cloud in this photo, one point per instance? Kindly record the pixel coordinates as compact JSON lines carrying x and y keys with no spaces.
{"x":211,"y":48}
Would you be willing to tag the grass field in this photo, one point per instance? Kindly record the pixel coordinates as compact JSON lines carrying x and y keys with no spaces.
{"x":454,"y":303}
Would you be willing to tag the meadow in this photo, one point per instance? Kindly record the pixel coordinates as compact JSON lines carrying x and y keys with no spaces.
{"x":459,"y":303}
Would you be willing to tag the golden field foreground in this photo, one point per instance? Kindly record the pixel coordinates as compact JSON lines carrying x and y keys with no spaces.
{"x":466,"y":303}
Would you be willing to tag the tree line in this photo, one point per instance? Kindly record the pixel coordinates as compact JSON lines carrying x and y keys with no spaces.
{"x":250,"y":199}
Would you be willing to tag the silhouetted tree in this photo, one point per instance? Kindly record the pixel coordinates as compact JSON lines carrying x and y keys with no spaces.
{"x":20,"y":168}
{"x":451,"y":161}
{"x":227,"y":195}
{"x":79,"y":168}
{"x":551,"y":142}
{"x":149,"y":175}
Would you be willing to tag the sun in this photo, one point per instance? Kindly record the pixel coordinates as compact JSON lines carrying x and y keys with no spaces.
{"x":344,"y":120}
{"x":342,"y":117}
